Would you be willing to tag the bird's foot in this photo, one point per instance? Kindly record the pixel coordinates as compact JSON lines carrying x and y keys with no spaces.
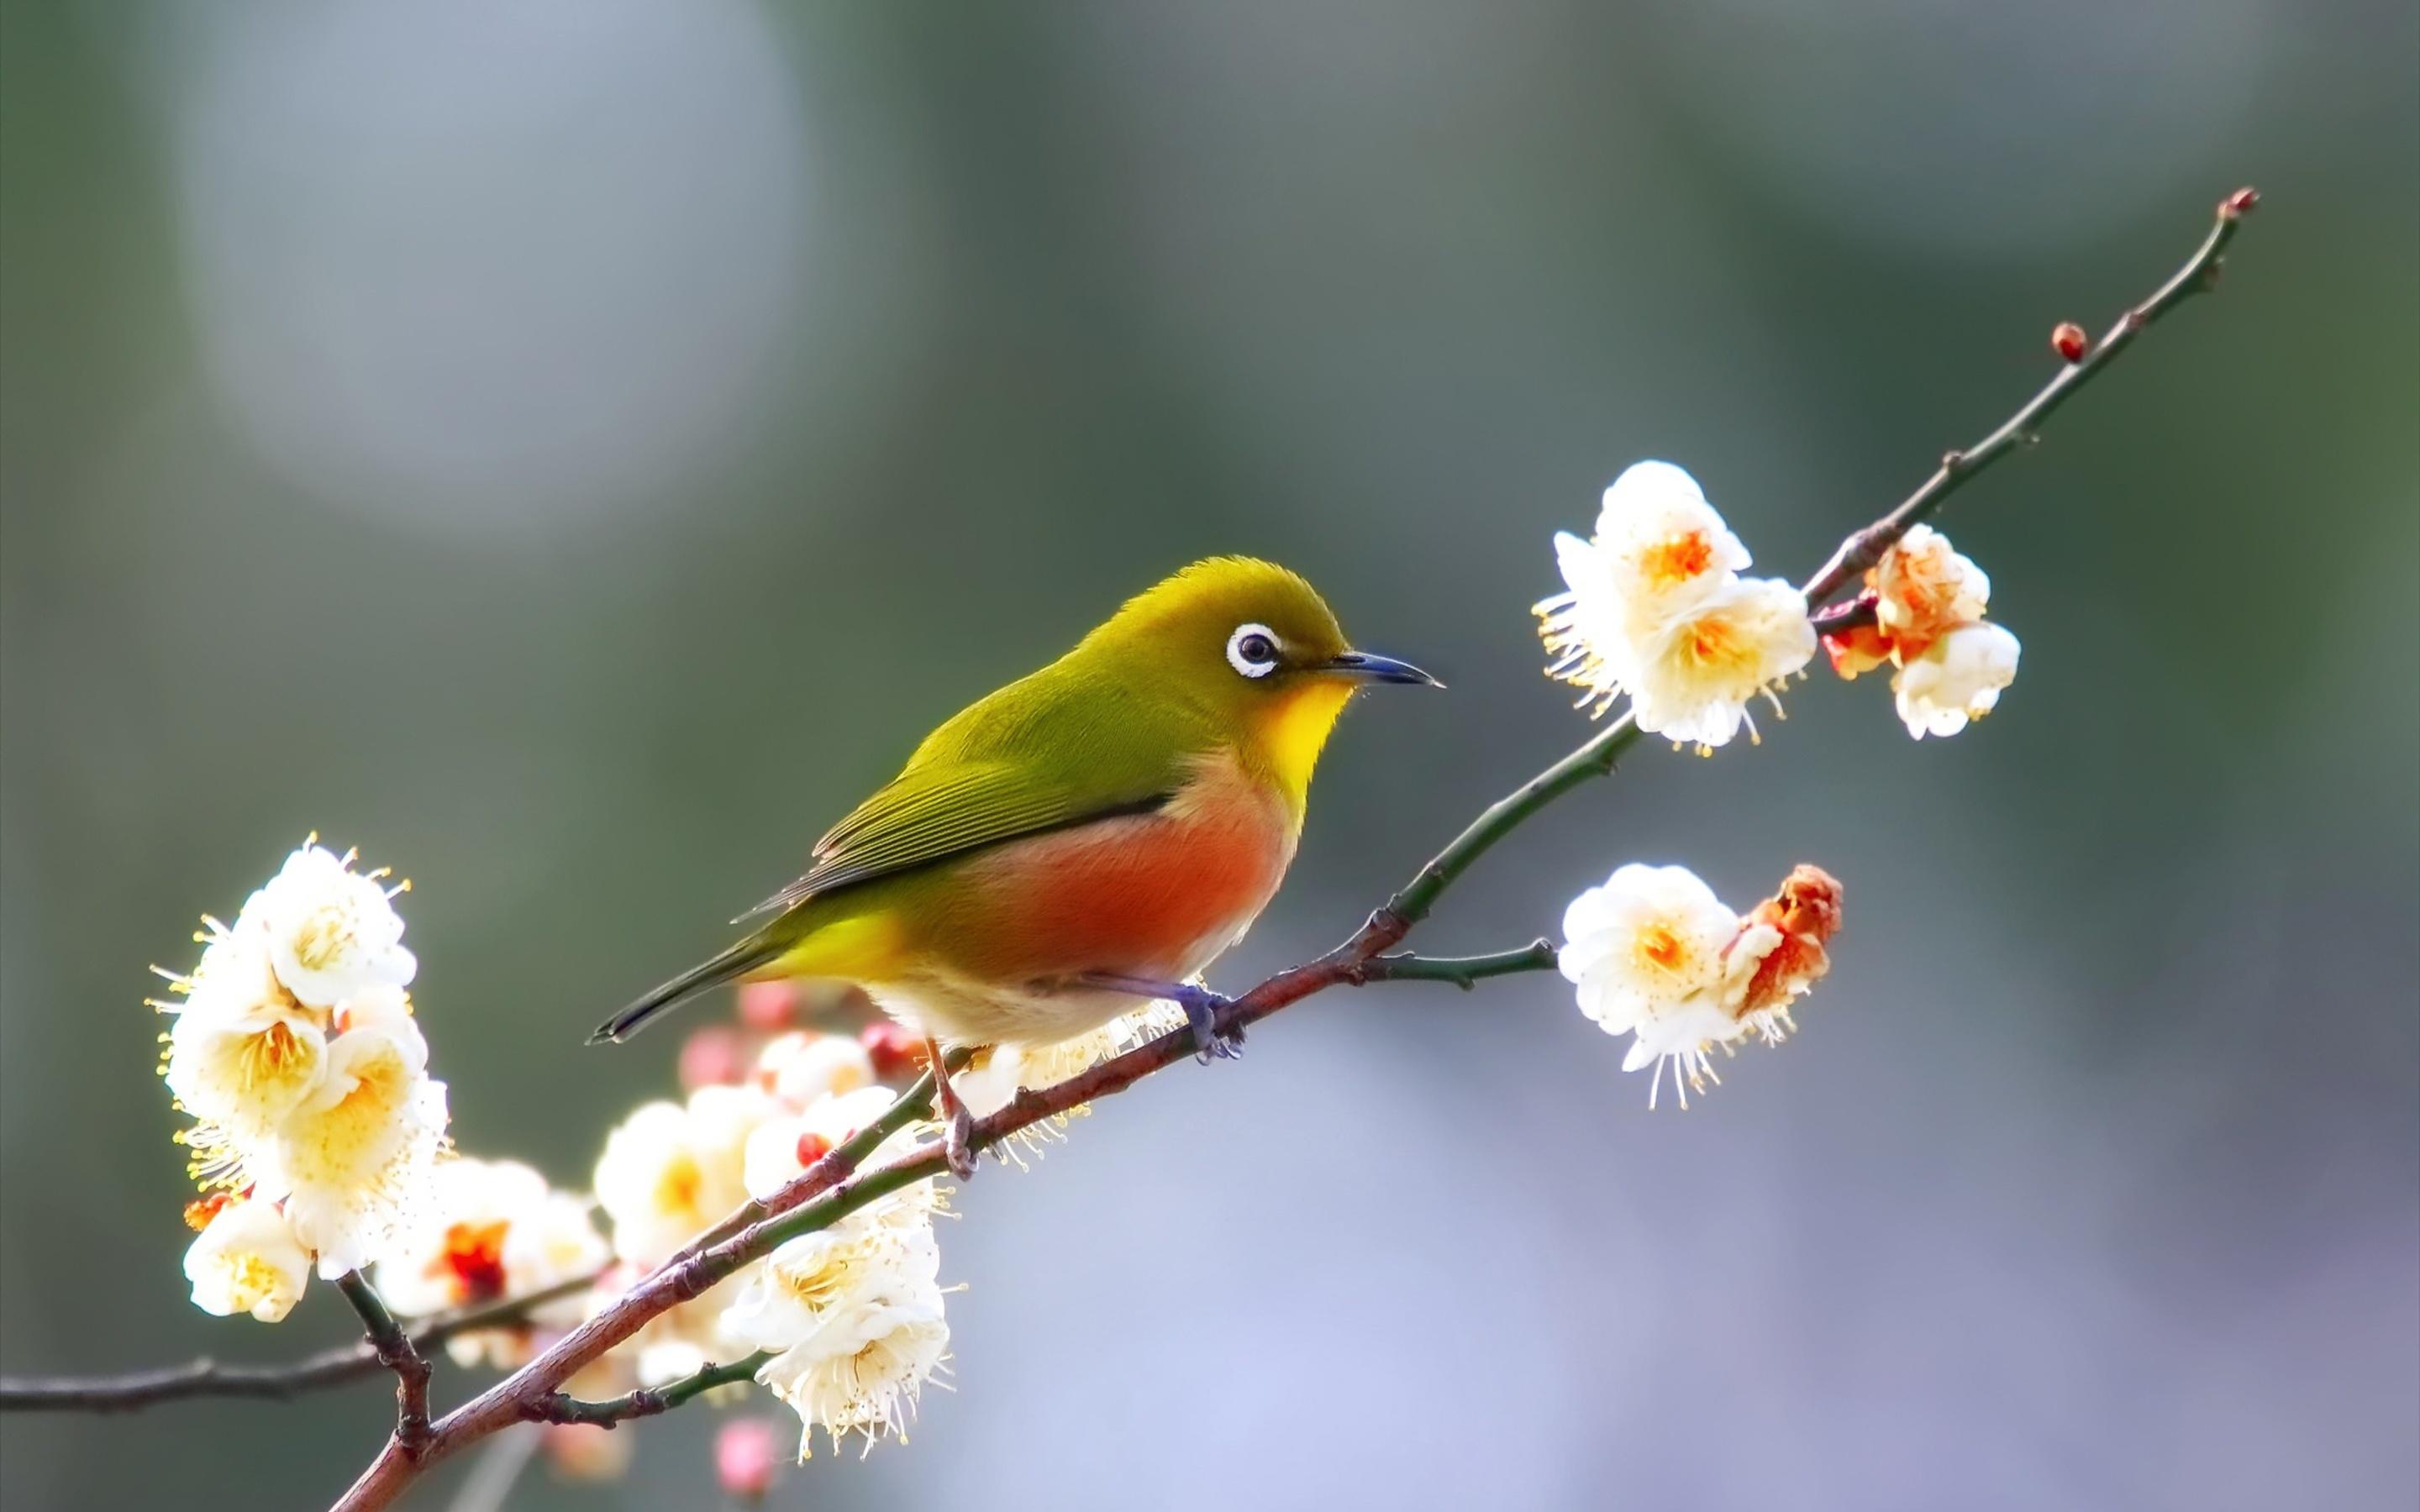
{"x":957,"y":1124}
{"x":1201,"y":1007}
{"x":957,"y":1143}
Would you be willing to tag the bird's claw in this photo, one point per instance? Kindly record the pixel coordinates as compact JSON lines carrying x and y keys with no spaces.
{"x":957,"y":1143}
{"x":1210,"y":1043}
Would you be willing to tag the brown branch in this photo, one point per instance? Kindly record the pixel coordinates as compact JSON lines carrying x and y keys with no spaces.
{"x":136,"y":1390}
{"x":394,"y":1351}
{"x":534,"y":1391}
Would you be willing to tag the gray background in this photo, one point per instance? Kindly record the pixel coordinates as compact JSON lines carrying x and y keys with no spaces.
{"x":573,"y":448}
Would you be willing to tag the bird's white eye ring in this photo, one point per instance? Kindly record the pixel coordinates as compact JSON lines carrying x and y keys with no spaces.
{"x":1252,"y":650}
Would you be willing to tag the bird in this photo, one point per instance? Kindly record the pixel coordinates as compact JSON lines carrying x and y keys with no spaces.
{"x":1080,"y":841}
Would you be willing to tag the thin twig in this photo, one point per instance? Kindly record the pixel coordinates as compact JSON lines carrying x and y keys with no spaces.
{"x":206,"y":1377}
{"x":914,"y":1102}
{"x":648,"y":1401}
{"x":2199,"y":274}
{"x":394,"y":1352}
{"x":1464,"y":971}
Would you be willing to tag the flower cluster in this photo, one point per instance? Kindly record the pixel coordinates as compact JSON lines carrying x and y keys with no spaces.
{"x":1655,"y":607}
{"x":1926,"y":603}
{"x":1658,"y":957}
{"x":855,"y":1314}
{"x":670,"y":1170}
{"x":295,"y":1050}
{"x":493,"y":1230}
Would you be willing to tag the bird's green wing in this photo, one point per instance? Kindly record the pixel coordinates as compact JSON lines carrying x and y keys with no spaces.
{"x":1027,"y":760}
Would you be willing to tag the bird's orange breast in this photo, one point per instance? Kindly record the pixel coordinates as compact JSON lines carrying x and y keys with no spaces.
{"x":1155,"y":895}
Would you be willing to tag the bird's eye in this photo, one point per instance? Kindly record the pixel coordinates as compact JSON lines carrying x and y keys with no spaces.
{"x":1252,"y":650}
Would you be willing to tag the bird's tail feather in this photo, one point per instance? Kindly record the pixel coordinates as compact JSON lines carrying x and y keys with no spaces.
{"x":740,"y":959}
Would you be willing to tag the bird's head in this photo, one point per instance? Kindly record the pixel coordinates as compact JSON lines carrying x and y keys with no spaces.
{"x":1256,"y":648}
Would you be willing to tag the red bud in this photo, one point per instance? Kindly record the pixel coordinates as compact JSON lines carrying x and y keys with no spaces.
{"x":811,"y":1148}
{"x":893,"y":1051}
{"x":2242,"y":202}
{"x":2069,"y":340}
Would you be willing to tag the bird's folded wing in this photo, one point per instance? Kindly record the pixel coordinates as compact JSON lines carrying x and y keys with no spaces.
{"x":927,"y":815}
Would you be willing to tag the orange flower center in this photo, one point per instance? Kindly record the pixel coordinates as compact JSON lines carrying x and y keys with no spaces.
{"x":1715,"y":640}
{"x":1677,"y":559}
{"x":475,"y":1257}
{"x":1661,"y":946}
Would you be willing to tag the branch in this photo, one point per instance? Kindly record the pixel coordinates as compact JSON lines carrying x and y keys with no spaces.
{"x":394,"y":1351}
{"x":2198,"y":275}
{"x":206,"y":1377}
{"x":647,"y":1401}
{"x":1464,"y":971}
{"x":914,"y":1102}
{"x":534,"y":1391}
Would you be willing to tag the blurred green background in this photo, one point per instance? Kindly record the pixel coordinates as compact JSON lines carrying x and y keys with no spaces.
{"x":573,"y":448}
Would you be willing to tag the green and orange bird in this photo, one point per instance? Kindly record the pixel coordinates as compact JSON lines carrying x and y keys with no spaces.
{"x":1080,"y":841}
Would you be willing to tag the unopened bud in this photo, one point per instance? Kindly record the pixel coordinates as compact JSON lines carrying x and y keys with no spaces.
{"x":2240,"y":203}
{"x":893,"y":1051}
{"x":746,"y":1454}
{"x":811,"y":1148}
{"x":715,"y":1056}
{"x":769,"y":1007}
{"x":2069,"y":340}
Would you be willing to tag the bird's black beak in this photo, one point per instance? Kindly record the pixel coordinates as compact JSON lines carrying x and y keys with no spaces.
{"x":1364,"y":667}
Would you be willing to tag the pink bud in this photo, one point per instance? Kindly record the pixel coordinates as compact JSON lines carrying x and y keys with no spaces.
{"x":893,"y":1050}
{"x":2070,"y":341}
{"x":769,"y":1007}
{"x":746,"y":1454}
{"x":2241,"y":201}
{"x":715,"y":1056}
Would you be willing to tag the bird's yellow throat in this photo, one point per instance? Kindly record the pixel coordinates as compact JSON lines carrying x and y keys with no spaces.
{"x":1296,"y":727}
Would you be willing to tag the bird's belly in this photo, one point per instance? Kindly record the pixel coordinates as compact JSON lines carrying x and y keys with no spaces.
{"x":1156,"y":896}
{"x":1145,"y":896}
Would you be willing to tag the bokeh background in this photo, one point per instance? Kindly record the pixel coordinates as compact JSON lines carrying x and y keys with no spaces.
{"x":573,"y":448}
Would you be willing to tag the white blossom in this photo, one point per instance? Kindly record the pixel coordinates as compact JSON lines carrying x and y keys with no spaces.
{"x":1651,"y":935}
{"x":242,"y":1053}
{"x":247,"y":1260}
{"x":803,"y":1065}
{"x":1654,"y":607}
{"x":862,"y":1366}
{"x":1959,"y":678}
{"x":669,"y":1171}
{"x":1694,"y":684}
{"x":493,"y":1229}
{"x":332,"y":932}
{"x":1659,"y":551}
{"x":783,"y":1146}
{"x":296,"y":1049}
{"x":355,"y":1162}
{"x":808,"y":1276}
{"x":1656,"y":955}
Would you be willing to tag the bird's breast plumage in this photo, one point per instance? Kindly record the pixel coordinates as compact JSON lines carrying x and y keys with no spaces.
{"x":1157,"y":895}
